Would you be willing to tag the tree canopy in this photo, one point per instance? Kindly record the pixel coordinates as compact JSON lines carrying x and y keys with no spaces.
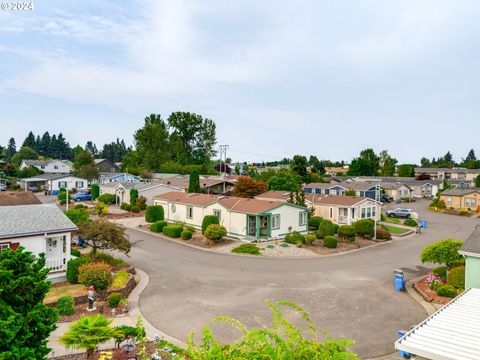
{"x":442,"y":252}
{"x":25,"y":153}
{"x":285,"y":180}
{"x":248,"y":187}
{"x":367,"y":164}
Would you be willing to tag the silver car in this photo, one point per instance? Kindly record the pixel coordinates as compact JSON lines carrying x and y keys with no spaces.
{"x":400,"y":213}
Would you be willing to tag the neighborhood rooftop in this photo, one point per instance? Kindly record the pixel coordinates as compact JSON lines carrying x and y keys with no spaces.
{"x":42,"y":162}
{"x":11,"y":198}
{"x":25,"y":220}
{"x":342,"y":200}
{"x":472,"y":244}
{"x":460,"y":191}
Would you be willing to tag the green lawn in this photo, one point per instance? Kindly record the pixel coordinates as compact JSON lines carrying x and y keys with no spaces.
{"x":65,"y":290}
{"x":393,"y":220}
{"x":395,"y":230}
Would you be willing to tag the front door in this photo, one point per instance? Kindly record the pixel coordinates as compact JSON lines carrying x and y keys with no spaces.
{"x":252,"y":225}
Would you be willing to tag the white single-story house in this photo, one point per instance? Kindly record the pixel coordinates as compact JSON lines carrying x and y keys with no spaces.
{"x":345,"y":210}
{"x":107,"y":177}
{"x":54,"y":182}
{"x":42,"y":228}
{"x":248,"y":219}
{"x":54,"y":166}
{"x":146,"y":189}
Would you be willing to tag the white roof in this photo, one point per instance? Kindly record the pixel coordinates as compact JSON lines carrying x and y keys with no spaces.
{"x":453,"y":332}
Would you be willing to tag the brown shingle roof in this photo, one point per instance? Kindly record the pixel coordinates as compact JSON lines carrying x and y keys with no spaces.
{"x":10,"y":198}
{"x":186,"y":198}
{"x":339,"y":200}
{"x":274,"y":194}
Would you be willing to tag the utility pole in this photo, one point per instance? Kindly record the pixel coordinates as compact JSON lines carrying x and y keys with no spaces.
{"x":223,"y":153}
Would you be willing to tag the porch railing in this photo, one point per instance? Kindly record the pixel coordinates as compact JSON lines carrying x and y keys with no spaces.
{"x":56,"y":264}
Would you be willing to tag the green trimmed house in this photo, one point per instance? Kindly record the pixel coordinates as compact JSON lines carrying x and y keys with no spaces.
{"x":246,"y":219}
{"x":471,"y":251}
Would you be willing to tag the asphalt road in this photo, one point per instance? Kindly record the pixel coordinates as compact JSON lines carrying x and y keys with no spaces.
{"x":350,"y":295}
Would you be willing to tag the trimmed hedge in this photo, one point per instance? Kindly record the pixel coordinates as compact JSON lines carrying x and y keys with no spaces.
{"x":327,"y":228}
{"x":447,"y":291}
{"x":346,"y":232}
{"x":456,"y":277}
{"x":108,"y":199}
{"x":294,"y":238}
{"x":410,"y":222}
{"x":330,"y":242}
{"x":125,"y":207}
{"x":158,"y":226}
{"x":209,"y":220}
{"x":314,"y":221}
{"x":154,"y":213}
{"x":173,"y":231}
{"x":98,"y":274}
{"x":72,"y":268}
{"x":364,"y":228}
{"x":186,"y":235}
{"x":113,"y":300}
{"x":66,"y":305}
{"x":215,"y":232}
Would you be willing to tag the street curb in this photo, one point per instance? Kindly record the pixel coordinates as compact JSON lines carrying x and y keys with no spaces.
{"x":273,"y":257}
{"x":135,"y":311}
{"x":427,"y":306}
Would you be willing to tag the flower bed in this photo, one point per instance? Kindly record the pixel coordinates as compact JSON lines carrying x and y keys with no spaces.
{"x":423,"y":288}
{"x":101,"y":308}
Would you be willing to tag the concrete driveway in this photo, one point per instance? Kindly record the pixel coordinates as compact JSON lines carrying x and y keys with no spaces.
{"x":350,"y":295}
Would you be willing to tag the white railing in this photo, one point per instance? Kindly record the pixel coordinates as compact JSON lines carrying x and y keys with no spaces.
{"x":56,"y":264}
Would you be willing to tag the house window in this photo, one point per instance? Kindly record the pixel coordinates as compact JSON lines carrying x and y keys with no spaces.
{"x":174,"y":208}
{"x":189,"y":212}
{"x":79,"y":184}
{"x":470,"y":202}
{"x":276,"y":221}
{"x":303,"y":218}
{"x":55,"y":167}
{"x":449,"y":200}
{"x":4,"y":247}
{"x":42,"y":167}
{"x":364,"y":213}
{"x":218,"y":214}
{"x":62,"y":184}
{"x":331,"y":213}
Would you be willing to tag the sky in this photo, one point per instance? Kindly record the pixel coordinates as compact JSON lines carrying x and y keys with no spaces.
{"x":279,"y":78}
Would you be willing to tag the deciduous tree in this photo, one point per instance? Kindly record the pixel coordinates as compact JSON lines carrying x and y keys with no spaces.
{"x":406,"y":170}
{"x":367,"y":164}
{"x":152,"y":142}
{"x":25,"y":153}
{"x":442,"y":252}
{"x":299,"y":166}
{"x":284,"y":180}
{"x":248,"y":187}
{"x":387,"y":164}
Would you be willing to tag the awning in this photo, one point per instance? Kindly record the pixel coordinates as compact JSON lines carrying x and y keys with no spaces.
{"x":453,"y":332}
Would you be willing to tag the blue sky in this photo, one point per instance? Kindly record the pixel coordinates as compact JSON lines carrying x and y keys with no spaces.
{"x":328,"y":78}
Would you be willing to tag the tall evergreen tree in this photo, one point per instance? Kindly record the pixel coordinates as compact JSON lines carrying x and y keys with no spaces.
{"x":194,"y":183}
{"x":30,"y":141}
{"x":114,"y":151}
{"x":152,"y":142}
{"x":299,"y":166}
{"x":11,"y":149}
{"x":91,"y":148}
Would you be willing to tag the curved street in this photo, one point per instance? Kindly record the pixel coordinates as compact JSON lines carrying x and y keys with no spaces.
{"x":349,"y":295}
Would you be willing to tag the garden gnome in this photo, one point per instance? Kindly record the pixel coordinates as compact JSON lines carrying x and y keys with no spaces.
{"x":91,"y":298}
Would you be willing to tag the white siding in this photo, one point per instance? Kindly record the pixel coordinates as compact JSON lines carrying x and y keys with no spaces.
{"x":71,"y":181}
{"x":289,"y":221}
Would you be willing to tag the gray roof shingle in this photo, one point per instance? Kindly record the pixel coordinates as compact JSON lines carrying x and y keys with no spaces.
{"x":460,"y":191}
{"x":25,"y":220}
{"x":472,"y":244}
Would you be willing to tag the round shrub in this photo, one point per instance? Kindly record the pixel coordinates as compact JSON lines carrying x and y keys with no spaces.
{"x":190,"y":228}
{"x":314,"y":222}
{"x":114,"y":299}
{"x":383,"y":234}
{"x":441,"y":271}
{"x":410,"y":222}
{"x":347,"y":233}
{"x":101,"y":209}
{"x":75,"y":252}
{"x":447,"y":291}
{"x":72,"y":268}
{"x":215,"y":232}
{"x":318,"y":234}
{"x":209,"y":220}
{"x":134,"y":209}
{"x":98,"y":274}
{"x":66,"y":305}
{"x":294,"y":238}
{"x":141,"y":203}
{"x":456,"y":277}
{"x":364,"y":228}
{"x":326,"y":228}
{"x":173,"y":231}
{"x":251,"y":249}
{"x":125,"y":206}
{"x":186,"y":235}
{"x":330,"y":242}
{"x":158,"y":226}
{"x":310,"y":238}
{"x":154,"y":213}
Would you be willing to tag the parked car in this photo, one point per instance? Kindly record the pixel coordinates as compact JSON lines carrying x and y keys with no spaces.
{"x":400,"y":213}
{"x":81,"y":196}
{"x":32,"y":188}
{"x":386,"y":199}
{"x":3,"y":187}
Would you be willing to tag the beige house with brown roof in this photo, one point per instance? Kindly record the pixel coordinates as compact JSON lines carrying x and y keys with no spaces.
{"x":462,"y":198}
{"x":248,"y":219}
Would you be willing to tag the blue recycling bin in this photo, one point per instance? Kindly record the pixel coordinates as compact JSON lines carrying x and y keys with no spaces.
{"x":80,"y":242}
{"x":423,"y":224}
{"x":399,"y":280}
{"x":404,"y":354}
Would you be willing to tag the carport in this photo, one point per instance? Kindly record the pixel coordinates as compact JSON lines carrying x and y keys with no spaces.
{"x":40,"y":182}
{"x":452,"y":333}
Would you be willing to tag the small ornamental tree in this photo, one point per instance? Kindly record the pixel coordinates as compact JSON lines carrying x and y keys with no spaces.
{"x":209,"y":220}
{"x":87,"y":333}
{"x":194,"y":183}
{"x":102,"y":234}
{"x":101,"y":209}
{"x":133,"y":197}
{"x":25,"y":322}
{"x":95,"y":191}
{"x":98,"y":274}
{"x":248,"y":188}
{"x":364,"y":228}
{"x":154,"y":213}
{"x":442,"y":252}
{"x":215,"y":232}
